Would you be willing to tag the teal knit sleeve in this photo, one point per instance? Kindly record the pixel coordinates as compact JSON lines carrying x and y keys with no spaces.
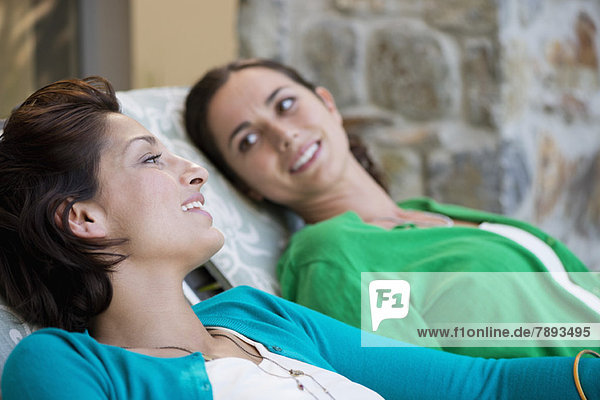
{"x":44,"y":366}
{"x":421,"y":373}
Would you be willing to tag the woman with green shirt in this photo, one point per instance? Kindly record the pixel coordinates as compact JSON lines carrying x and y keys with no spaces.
{"x":280,"y":138}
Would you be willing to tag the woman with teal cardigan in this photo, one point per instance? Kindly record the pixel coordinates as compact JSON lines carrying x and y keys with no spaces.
{"x":100,"y":225}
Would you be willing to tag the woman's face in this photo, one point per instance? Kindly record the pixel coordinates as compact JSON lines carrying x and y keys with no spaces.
{"x":152,"y":197}
{"x":282,"y":140}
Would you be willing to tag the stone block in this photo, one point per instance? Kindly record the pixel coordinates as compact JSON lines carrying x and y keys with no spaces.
{"x":364,"y":124}
{"x":583,"y":201}
{"x":403,"y":170}
{"x":359,"y":6}
{"x":407,"y":72}
{"x":331,"y":59}
{"x":553,"y":171}
{"x":418,"y":138}
{"x":480,"y":82}
{"x":462,"y":16}
{"x":396,"y":152}
{"x":586,"y":32}
{"x":307,"y":9}
{"x":361,"y":128}
{"x":493,"y":179}
{"x":529,"y":10}
{"x":516,"y":176}
{"x":379,"y":7}
{"x":575,"y":62}
{"x":263,"y":28}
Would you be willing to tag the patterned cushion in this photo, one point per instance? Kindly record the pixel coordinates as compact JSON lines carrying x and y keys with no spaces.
{"x":255,"y":235}
{"x":12,"y":330}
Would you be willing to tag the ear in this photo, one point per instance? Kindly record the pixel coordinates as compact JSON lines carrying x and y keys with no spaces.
{"x":86,"y":219}
{"x":329,"y":102}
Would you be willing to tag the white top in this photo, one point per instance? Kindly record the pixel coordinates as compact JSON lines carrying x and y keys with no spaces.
{"x":548,"y":257}
{"x":270,"y":381}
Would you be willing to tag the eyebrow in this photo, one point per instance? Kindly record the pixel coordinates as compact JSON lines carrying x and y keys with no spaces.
{"x":150,"y":139}
{"x":245,"y":124}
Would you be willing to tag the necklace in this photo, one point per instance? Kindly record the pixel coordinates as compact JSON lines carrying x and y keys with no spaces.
{"x":291,"y":373}
{"x":433,"y":219}
{"x":163,"y":348}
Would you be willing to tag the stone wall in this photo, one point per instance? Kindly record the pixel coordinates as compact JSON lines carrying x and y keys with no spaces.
{"x":489,"y":104}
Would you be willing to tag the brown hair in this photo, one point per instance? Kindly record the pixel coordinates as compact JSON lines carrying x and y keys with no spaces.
{"x":196,"y":116}
{"x":49,"y":156}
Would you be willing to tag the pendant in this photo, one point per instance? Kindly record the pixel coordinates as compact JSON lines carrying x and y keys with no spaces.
{"x":296,"y":372}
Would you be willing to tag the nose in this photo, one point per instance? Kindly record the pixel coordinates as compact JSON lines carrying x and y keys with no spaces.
{"x":287,"y":139}
{"x":193,"y":174}
{"x":282,"y":136}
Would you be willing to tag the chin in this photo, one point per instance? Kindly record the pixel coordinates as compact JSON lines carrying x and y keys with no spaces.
{"x":211,"y":245}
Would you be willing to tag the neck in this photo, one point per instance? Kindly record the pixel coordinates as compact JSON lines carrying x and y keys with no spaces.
{"x":144,"y":309}
{"x":356,"y":191}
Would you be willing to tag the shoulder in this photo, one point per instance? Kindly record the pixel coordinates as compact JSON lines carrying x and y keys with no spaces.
{"x":49,"y":347}
{"x":239,"y":302}
{"x":46,"y":362}
{"x":266,"y":318}
{"x":244,"y":305}
{"x":332,"y":248}
{"x":570,"y":260}
{"x":327,"y":236}
{"x":328,"y":226}
{"x":461,"y":212}
{"x":452,"y":210}
{"x":50,"y":339}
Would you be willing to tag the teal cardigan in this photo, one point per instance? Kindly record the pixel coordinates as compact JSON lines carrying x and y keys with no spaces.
{"x":55,"y":364}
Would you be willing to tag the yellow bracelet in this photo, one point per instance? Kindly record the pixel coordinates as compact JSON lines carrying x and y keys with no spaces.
{"x":576,"y":371}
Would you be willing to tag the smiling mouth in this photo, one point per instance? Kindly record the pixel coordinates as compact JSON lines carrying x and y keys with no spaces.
{"x":306,"y":157}
{"x":193,"y":204}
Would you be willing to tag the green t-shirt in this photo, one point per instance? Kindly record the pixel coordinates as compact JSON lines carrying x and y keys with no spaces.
{"x":322,"y":266}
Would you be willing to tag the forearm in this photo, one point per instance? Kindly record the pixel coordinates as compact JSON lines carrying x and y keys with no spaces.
{"x":418,"y":373}
{"x":423,"y":373}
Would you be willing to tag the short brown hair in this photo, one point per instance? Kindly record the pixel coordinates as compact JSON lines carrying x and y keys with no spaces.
{"x":49,"y":156}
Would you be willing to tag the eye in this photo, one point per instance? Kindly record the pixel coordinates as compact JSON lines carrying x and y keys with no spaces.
{"x":247,"y":142}
{"x":285,"y":104}
{"x":152,"y":159}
